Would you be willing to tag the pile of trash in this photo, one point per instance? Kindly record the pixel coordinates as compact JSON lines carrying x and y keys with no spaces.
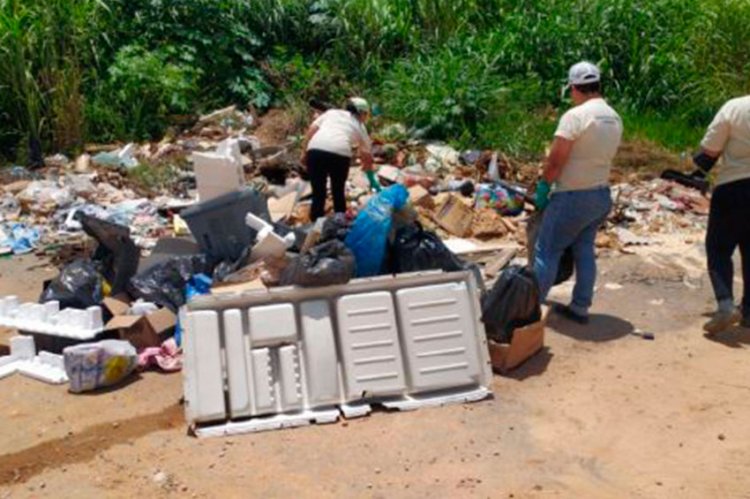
{"x":216,"y":211}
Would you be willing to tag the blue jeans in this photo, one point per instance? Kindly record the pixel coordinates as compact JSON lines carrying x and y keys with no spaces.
{"x":571,"y":219}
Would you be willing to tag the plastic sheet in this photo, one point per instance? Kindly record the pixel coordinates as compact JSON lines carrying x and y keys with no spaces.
{"x":79,"y":285}
{"x":369,"y":234}
{"x":512,"y":302}
{"x":117,"y":253}
{"x":326,"y":264}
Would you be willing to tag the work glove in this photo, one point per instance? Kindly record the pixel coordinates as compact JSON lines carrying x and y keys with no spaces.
{"x":541,"y":195}
{"x":374,"y":184}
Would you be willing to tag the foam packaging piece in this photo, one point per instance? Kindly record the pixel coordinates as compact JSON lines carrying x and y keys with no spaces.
{"x":48,"y":319}
{"x":46,"y":367}
{"x":288,"y":357}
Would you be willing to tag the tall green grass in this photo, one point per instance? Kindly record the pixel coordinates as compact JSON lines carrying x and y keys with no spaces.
{"x":476,"y":72}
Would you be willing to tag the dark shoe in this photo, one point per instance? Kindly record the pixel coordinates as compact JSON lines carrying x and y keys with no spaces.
{"x":569,"y":314}
{"x":721,"y":321}
{"x":745,"y":322}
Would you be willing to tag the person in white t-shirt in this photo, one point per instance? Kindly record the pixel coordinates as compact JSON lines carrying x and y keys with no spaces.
{"x":574,"y":189}
{"x":331,"y":140}
{"x":728,"y":138}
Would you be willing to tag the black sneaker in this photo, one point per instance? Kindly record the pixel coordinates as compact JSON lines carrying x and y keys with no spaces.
{"x":569,"y":314}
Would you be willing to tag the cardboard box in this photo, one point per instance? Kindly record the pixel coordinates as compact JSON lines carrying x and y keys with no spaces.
{"x":454,"y":216}
{"x":419,"y":196}
{"x":145,"y":331}
{"x":526,"y":342}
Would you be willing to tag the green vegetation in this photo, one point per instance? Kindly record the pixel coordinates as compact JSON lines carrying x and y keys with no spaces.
{"x":474,"y":72}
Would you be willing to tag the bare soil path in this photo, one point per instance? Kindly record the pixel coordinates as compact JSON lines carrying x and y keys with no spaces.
{"x":601,"y":412}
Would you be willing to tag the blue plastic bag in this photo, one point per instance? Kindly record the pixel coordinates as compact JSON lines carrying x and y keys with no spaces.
{"x":199,"y":284}
{"x":368,"y":236}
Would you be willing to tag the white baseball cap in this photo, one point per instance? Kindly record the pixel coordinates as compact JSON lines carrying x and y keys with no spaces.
{"x":360,"y":104}
{"x":583,"y":73}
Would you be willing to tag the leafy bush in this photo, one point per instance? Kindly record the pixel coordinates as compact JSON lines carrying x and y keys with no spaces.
{"x":211,"y":36}
{"x":141,"y":91}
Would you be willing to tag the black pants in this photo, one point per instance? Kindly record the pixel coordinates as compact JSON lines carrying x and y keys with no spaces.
{"x":728,"y":228}
{"x":320,"y":166}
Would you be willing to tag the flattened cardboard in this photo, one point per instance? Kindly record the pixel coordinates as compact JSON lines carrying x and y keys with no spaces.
{"x":526,"y":342}
{"x":282,"y":208}
{"x":116,"y":305}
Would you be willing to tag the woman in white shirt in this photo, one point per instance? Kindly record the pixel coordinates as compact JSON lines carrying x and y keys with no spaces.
{"x":331,"y":140}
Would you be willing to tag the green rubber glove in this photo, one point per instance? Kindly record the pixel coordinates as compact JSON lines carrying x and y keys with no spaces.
{"x":541,"y":196}
{"x":374,"y":184}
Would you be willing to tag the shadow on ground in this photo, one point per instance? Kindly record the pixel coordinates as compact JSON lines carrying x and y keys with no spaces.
{"x":601,"y":327}
{"x":535,"y":366}
{"x":735,"y":337}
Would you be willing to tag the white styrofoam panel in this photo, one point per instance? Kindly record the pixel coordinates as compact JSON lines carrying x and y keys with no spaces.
{"x":290,"y":377}
{"x":370,"y":348}
{"x":47,"y":318}
{"x":46,"y":367}
{"x":272,"y":324}
{"x":345,"y":355}
{"x":265,"y":393}
{"x":203,"y":345}
{"x":238,"y":378}
{"x":276,"y":422}
{"x":437,"y":328}
{"x":319,"y":346}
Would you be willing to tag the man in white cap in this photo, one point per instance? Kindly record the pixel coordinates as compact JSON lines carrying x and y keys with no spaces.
{"x":574,"y":189}
{"x":728,"y":138}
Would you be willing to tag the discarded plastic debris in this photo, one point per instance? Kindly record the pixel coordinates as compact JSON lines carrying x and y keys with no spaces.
{"x":46,"y":366}
{"x":315,"y":350}
{"x":79,"y":285}
{"x":97,"y":365}
{"x":120,"y":158}
{"x":368,"y":236}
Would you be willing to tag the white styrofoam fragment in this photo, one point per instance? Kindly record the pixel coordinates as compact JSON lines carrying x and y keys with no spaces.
{"x":265,"y":400}
{"x":372,"y":360}
{"x":437,"y":331}
{"x":203,"y":331}
{"x":276,"y":422}
{"x":290,"y":378}
{"x":413,"y":402}
{"x":46,"y":366}
{"x":319,"y":353}
{"x":351,"y":411}
{"x":47,"y":318}
{"x":22,"y":347}
{"x":239,"y":389}
{"x":272,"y":324}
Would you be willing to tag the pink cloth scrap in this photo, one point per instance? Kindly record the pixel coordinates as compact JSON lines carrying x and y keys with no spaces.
{"x":168,"y":357}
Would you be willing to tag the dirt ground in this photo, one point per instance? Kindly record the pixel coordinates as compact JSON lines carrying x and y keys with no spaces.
{"x":601,"y":412}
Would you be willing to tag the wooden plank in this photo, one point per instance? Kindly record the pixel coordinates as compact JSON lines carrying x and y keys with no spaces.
{"x":495,"y":267}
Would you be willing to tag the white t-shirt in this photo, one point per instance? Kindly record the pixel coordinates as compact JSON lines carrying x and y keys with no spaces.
{"x":596,"y":131}
{"x":729,"y":134}
{"x":339,"y":132}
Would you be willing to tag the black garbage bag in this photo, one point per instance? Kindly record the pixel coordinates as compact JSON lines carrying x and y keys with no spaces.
{"x":117,"y":253}
{"x":164,"y":283}
{"x":415,"y":249}
{"x":326,"y":264}
{"x":79,"y":285}
{"x":335,"y":227}
{"x":300,"y":234}
{"x":567,"y":261}
{"x":512,"y":302}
